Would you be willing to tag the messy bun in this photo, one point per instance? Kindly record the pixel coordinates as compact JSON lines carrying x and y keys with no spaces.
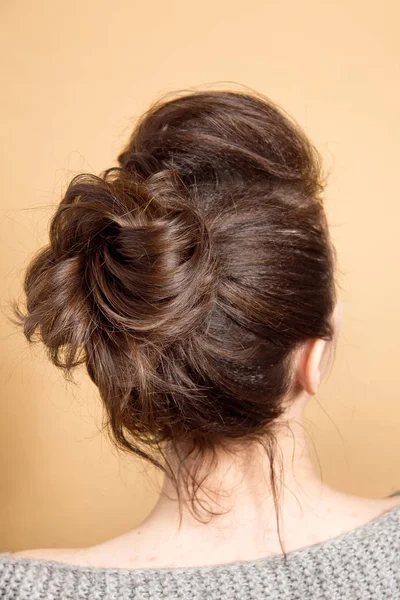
{"x":185,"y":278}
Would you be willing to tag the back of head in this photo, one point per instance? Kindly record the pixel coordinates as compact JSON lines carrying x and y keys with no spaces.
{"x":186,"y":277}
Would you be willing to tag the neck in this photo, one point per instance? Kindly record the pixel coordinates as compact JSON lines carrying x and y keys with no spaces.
{"x":246,"y":528}
{"x":239,"y":489}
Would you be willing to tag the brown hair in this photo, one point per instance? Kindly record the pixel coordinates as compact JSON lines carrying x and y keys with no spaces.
{"x":186,"y":277}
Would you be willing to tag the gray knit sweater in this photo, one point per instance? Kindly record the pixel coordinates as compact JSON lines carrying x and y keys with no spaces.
{"x":359,"y":565}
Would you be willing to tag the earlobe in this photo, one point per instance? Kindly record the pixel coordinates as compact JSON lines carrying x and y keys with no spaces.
{"x":309,"y":369}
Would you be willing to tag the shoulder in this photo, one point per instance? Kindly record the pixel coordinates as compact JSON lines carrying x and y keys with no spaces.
{"x":369,"y":508}
{"x":391,"y":502}
{"x":64,"y":555}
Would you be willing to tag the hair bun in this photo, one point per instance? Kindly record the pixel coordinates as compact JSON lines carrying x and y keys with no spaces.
{"x":127,"y":262}
{"x":144,"y":251}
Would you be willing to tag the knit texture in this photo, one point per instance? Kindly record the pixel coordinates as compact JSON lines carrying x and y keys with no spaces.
{"x":363,"y":564}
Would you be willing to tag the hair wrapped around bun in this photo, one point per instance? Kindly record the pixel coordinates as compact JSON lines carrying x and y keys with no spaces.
{"x":185,"y":278}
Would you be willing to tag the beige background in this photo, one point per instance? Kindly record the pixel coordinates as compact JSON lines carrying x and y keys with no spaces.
{"x":75,"y":76}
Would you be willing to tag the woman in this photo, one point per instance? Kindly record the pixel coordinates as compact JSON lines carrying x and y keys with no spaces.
{"x":196,"y":282}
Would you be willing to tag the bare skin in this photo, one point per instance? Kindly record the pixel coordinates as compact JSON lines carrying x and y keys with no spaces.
{"x":311,"y":511}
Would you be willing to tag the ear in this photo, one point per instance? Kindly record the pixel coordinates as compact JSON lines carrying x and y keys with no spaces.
{"x":310,"y":367}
